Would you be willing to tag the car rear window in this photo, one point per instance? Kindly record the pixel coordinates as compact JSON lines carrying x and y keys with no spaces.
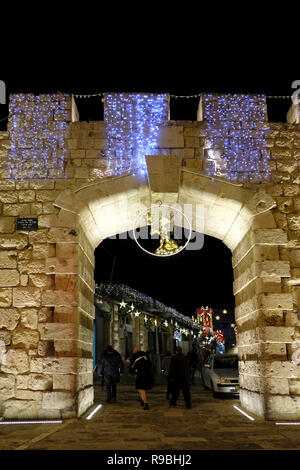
{"x":226,"y":362}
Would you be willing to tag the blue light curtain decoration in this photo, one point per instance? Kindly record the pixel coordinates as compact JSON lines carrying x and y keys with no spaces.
{"x":37,"y":126}
{"x":133,"y":121}
{"x":237,"y":129}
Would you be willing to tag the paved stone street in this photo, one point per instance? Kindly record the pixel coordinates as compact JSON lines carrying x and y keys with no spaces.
{"x":212,"y":424}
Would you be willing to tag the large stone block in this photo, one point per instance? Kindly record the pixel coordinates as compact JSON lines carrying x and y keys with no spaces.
{"x":26,"y":297}
{"x":9,"y":278}
{"x":8,"y":259}
{"x":29,"y":395}
{"x":58,"y":400}
{"x":22,"y":382}
{"x":67,"y":347}
{"x":5,"y":297}
{"x":5,"y":337}
{"x":9,"y":318}
{"x":20,"y":409}
{"x":64,"y":382}
{"x":39,"y":382}
{"x":85,"y":400}
{"x":58,"y":298}
{"x":171,"y":137}
{"x":66,"y":282}
{"x":276,"y":334}
{"x":57,"y":331}
{"x":253,"y":402}
{"x":45,"y":348}
{"x":15,"y":361}
{"x":7,"y":387}
{"x":273,"y":269}
{"x":276,"y":301}
{"x":294,"y":387}
{"x":62,"y":265}
{"x":26,"y":338}
{"x":7,"y":224}
{"x":283,"y":407}
{"x":43,"y":281}
{"x":65,"y":314}
{"x":54,"y":365}
{"x":269,"y":237}
{"x":84,"y":381}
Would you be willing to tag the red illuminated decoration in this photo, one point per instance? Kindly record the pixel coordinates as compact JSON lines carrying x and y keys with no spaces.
{"x":206,"y":332}
{"x":220,"y":337}
{"x":205,"y":317}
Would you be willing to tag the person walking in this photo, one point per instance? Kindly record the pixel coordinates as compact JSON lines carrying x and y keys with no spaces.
{"x":142,"y":368}
{"x":180,"y":378}
{"x":111,"y":367}
{"x":165,"y":368}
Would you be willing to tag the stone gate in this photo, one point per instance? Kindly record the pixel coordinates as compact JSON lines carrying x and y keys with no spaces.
{"x":47,"y":274}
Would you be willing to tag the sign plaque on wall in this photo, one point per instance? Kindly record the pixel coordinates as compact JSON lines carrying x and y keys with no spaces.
{"x":27,"y":224}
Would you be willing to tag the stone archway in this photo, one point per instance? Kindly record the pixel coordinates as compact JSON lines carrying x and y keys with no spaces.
{"x":242,"y":219}
{"x":47,"y":275}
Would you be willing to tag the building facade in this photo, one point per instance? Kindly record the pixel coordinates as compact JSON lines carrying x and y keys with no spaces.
{"x":126,"y":318}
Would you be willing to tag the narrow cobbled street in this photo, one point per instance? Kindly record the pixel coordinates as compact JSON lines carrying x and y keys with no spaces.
{"x":212,"y":424}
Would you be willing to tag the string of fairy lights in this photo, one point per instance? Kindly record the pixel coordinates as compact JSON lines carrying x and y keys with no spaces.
{"x":133,"y":122}
{"x":236,"y":128}
{"x":37,"y":126}
{"x":101,"y":95}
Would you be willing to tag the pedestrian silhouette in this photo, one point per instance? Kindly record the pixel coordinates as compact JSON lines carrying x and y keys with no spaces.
{"x":141,"y":367}
{"x":111,"y":367}
{"x":180,"y":378}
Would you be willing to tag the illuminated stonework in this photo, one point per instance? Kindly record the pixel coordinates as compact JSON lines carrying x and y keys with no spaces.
{"x":37,"y":125}
{"x":47,"y":275}
{"x":237,"y":131}
{"x":133,"y":122}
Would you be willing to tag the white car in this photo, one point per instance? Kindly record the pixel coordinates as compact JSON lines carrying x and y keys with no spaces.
{"x":220,"y":374}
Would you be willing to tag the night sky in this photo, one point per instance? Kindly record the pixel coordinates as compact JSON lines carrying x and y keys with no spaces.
{"x":185,"y":281}
{"x":190,"y":279}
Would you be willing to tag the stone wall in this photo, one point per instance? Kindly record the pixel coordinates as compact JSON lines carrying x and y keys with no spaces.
{"x":47,"y":276}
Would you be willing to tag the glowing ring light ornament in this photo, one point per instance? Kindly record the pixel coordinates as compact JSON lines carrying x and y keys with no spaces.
{"x":168,"y":247}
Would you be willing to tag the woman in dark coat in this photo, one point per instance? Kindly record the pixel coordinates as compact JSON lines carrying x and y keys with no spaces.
{"x":142,"y":368}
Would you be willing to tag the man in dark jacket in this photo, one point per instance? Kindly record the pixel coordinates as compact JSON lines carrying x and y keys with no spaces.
{"x":180,"y":378}
{"x":111,"y":367}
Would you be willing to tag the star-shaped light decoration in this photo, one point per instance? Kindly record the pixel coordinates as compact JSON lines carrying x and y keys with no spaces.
{"x":166,"y":323}
{"x":137,"y":314}
{"x":131,"y":307}
{"x":123,"y":304}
